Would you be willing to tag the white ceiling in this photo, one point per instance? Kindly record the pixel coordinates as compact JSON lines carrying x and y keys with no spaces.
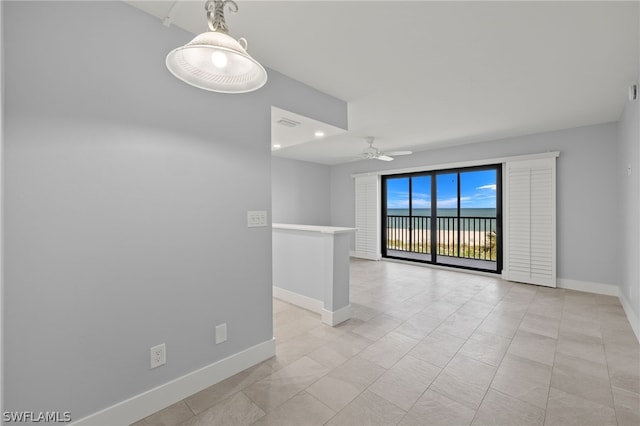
{"x":420,"y":75}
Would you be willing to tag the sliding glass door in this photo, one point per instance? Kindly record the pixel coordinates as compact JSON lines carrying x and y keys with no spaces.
{"x":463,"y":227}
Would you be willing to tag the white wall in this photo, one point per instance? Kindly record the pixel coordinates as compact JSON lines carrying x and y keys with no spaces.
{"x":300,"y":192}
{"x":587,"y":179}
{"x":629,"y":154}
{"x":629,"y":187}
{"x":1,"y":212}
{"x":126,"y":195}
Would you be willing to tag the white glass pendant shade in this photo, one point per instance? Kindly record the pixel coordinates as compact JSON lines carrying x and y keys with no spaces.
{"x":217,"y":62}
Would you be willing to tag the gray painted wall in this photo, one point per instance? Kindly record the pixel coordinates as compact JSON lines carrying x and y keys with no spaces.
{"x":629,"y":156}
{"x":587,"y":196}
{"x":300,"y":192}
{"x":126,"y":194}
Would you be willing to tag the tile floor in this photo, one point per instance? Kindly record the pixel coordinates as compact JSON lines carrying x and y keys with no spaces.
{"x":435,"y":347}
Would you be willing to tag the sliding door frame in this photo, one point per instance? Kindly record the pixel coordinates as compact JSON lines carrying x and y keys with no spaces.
{"x":433,"y":174}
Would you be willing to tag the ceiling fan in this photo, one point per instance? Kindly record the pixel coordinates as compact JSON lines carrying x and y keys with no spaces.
{"x":373,"y":153}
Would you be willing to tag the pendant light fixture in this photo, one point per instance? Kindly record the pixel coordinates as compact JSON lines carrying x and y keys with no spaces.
{"x":214,"y":60}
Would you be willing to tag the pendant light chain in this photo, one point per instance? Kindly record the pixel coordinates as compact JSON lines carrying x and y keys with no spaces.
{"x":215,"y":14}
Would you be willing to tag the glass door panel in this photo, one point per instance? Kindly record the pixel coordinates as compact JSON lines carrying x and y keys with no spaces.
{"x":478,"y":214}
{"x":397,"y":214}
{"x":421,"y":214}
{"x":447,"y":214}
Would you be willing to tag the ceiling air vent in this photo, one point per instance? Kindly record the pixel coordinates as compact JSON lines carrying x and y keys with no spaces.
{"x":287,"y":122}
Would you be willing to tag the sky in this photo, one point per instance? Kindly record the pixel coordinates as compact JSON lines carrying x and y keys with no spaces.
{"x":477,"y":190}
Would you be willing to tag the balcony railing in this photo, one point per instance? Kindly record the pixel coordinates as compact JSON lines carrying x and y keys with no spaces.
{"x":463,"y":237}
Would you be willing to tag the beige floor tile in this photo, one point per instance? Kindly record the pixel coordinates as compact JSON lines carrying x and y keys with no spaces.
{"x":290,"y":328}
{"x":377,"y":327}
{"x":580,"y":346}
{"x":471,"y":371}
{"x":540,"y":324}
{"x":363,"y":312}
{"x":297,"y":347}
{"x":170,"y":416}
{"x":486,"y":347}
{"x":418,"y":326}
{"x":326,"y":332}
{"x":533,"y":346}
{"x":625,"y":376}
{"x":476,"y":308}
{"x":501,"y":324}
{"x":581,"y":324}
{"x":441,"y":309}
{"x":237,"y":410}
{"x":346,"y":382}
{"x":618,"y":332}
{"x":627,"y":405}
{"x":464,"y":380}
{"x":405,"y":382}
{"x":206,"y":398}
{"x":624,"y":352}
{"x":436,"y":409}
{"x":565,"y":409}
{"x":523,"y":379}
{"x":511,"y":307}
{"x":437,"y":348}
{"x":368,"y":409}
{"x":279,"y":306}
{"x":349,"y":324}
{"x":583,"y":378}
{"x":302,"y":409}
{"x":459,"y":325}
{"x":500,"y":409}
{"x":623,"y":362}
{"x":405,"y":310}
{"x":399,"y":360}
{"x":278,"y":387}
{"x":458,"y":390}
{"x":328,"y":356}
{"x":389,"y":349}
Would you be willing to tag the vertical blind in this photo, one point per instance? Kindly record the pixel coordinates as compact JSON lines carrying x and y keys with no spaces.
{"x":530,"y":222}
{"x":367,"y":217}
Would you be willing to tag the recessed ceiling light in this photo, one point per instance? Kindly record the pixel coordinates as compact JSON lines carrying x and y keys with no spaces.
{"x":276,"y":146}
{"x":319,"y":134}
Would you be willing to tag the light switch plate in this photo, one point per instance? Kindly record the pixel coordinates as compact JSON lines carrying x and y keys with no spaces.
{"x":256,"y":218}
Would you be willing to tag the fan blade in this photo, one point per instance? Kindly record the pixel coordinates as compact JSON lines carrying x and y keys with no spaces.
{"x":384,"y":158}
{"x":399,"y":153}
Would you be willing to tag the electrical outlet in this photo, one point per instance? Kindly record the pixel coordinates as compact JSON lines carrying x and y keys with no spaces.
{"x":158,"y":356}
{"x":221,"y":333}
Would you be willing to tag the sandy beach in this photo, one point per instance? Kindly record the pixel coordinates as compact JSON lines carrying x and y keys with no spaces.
{"x":444,"y":237}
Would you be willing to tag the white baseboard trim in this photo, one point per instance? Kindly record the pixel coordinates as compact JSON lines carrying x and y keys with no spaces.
{"x":588,"y":286}
{"x":297,"y":299}
{"x":147,"y":403}
{"x":633,"y":318}
{"x":336,"y":317}
{"x":365,"y":256}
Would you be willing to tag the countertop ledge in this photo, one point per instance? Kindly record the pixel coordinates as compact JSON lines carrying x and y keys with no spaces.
{"x":313,"y":228}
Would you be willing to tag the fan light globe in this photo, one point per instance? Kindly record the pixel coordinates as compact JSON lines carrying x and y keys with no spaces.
{"x":215,"y":61}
